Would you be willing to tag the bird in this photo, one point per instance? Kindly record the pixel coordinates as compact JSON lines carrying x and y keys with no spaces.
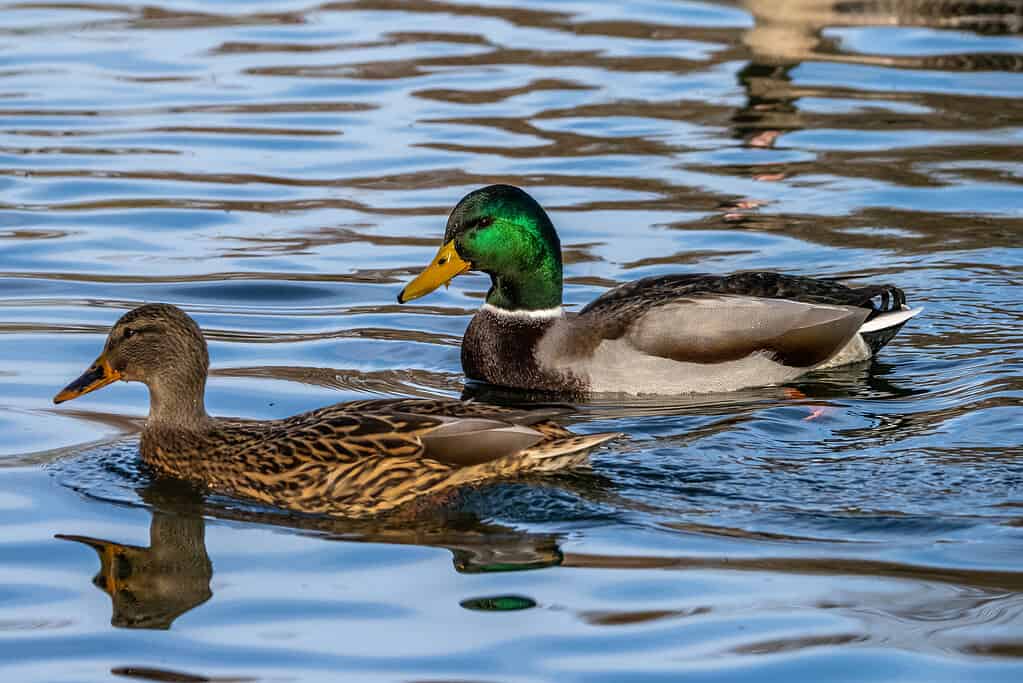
{"x":355,"y":459}
{"x":666,"y":334}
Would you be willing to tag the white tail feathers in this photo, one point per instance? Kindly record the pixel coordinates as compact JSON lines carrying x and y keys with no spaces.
{"x":886,"y":320}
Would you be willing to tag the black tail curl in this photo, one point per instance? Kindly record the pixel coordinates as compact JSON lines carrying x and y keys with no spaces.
{"x":882,"y":298}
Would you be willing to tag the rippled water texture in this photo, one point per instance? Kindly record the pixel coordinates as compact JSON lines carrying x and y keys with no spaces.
{"x":281,"y":169}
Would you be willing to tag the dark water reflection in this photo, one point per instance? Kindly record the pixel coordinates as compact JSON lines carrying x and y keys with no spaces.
{"x":927,"y":606}
{"x":280,"y":169}
{"x":150,"y":587}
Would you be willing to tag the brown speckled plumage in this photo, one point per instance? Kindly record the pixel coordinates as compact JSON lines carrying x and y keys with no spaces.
{"x":351,"y":459}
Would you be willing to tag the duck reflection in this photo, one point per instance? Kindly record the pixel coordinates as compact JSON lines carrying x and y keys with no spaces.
{"x":793,"y":30}
{"x":788,"y":33}
{"x":150,"y":587}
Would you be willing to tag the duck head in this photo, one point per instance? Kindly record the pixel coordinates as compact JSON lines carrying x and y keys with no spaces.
{"x":502,"y":231}
{"x":160,"y":346}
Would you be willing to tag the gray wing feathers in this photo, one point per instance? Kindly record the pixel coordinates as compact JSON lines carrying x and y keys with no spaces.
{"x":473,"y":441}
{"x":724,"y":328}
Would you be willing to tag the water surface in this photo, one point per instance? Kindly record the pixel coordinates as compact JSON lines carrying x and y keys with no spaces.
{"x":281,"y":169}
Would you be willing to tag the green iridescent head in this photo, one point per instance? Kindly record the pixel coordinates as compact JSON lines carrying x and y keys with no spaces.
{"x":502,"y":231}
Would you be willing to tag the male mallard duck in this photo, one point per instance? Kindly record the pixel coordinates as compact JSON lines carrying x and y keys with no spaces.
{"x":664,"y":334}
{"x":349,"y":459}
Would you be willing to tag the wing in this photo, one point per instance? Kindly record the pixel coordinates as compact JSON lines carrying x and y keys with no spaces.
{"x":464,"y":433}
{"x":474,"y":441}
{"x":626,"y":302}
{"x":326,"y":436}
{"x":338,"y":435}
{"x":715,"y":329}
{"x":447,"y":407}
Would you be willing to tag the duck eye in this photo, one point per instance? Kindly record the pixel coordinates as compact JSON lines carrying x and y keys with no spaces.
{"x":129,"y":333}
{"x":485,"y":221}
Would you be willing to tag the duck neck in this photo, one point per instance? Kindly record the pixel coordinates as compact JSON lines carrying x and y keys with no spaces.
{"x":528,"y":277}
{"x":178,"y":402}
{"x":511,"y":293}
{"x":520,"y":250}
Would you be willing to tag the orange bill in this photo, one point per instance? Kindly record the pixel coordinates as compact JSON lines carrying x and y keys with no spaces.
{"x":96,"y":377}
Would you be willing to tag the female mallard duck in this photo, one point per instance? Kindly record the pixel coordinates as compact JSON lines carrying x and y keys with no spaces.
{"x":665,"y":334}
{"x":350,"y":459}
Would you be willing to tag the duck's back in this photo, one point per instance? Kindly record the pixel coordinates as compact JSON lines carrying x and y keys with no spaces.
{"x":322,"y":461}
{"x":364,"y":457}
{"x":625,"y":302}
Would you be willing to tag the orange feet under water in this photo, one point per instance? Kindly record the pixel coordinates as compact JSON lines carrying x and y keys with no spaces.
{"x":815,"y":411}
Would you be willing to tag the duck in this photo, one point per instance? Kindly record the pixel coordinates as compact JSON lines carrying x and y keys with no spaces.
{"x":355,"y":459}
{"x":666,"y":334}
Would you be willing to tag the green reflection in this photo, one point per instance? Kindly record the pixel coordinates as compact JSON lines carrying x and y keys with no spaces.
{"x":499,"y":603}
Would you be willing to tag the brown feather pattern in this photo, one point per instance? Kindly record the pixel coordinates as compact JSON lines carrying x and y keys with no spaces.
{"x":351,"y":459}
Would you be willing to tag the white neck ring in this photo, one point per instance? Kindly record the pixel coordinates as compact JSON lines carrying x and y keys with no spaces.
{"x":541,"y":314}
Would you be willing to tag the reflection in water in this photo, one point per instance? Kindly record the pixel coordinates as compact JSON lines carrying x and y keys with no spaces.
{"x":281,"y":171}
{"x":924,"y":608}
{"x":148,"y":673}
{"x":790,"y":35}
{"x":408,"y":383}
{"x":499,"y":603}
{"x":784,"y":35}
{"x":793,"y":31}
{"x":151,"y":587}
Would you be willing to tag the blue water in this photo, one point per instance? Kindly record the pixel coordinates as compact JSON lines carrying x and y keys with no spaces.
{"x":280,"y":170}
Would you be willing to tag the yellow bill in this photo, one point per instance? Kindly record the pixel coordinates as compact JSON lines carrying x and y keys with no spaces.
{"x":446,"y":266}
{"x":96,"y":377}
